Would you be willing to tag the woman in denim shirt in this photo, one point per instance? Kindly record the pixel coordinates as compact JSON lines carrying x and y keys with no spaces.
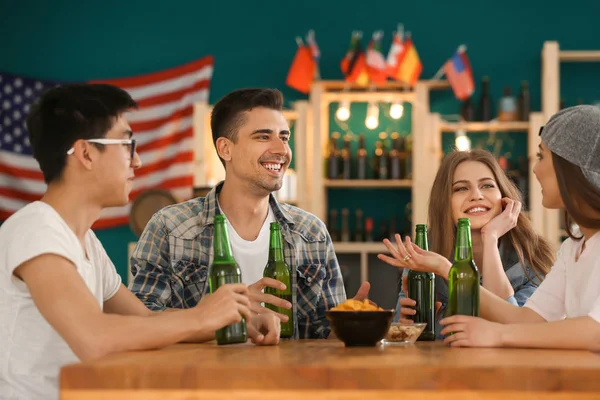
{"x":513,"y":259}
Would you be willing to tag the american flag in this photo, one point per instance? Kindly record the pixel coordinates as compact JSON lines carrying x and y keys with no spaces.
{"x":162,"y":126}
{"x":460,"y":75}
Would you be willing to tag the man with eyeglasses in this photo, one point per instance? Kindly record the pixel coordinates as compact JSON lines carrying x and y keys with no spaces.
{"x":61,"y":298}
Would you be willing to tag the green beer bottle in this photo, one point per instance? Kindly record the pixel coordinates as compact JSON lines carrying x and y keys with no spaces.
{"x":277,"y":269}
{"x":421,"y":288}
{"x":464,"y":277}
{"x":224,"y":269}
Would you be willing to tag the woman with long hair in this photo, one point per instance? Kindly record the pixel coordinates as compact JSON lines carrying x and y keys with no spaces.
{"x":511,"y":256}
{"x":564,"y":312}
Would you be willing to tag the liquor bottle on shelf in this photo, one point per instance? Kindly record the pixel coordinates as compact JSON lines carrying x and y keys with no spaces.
{"x":484,"y":112}
{"x":507,"y":107}
{"x":333,"y":160}
{"x":361,"y":158}
{"x":407,"y":219}
{"x":408,"y":161}
{"x":369,"y":230}
{"x":384,"y":232}
{"x":393,"y":229}
{"x":345,"y":235}
{"x":523,"y":180}
{"x":346,"y":158}
{"x":381,"y":158}
{"x":524,"y":102}
{"x":333,"y":226}
{"x":359,"y":232}
{"x":467,"y":111}
{"x":395,"y":161}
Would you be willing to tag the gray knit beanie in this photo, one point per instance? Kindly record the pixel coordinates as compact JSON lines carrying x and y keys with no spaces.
{"x":574,"y":134}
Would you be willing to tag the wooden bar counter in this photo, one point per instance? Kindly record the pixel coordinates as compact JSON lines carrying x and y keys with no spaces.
{"x":325,"y":369}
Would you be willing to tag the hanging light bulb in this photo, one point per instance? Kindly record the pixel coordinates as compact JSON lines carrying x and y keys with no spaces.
{"x":372,"y":120}
{"x":396,"y":110}
{"x":462,"y":141}
{"x":343,"y":111}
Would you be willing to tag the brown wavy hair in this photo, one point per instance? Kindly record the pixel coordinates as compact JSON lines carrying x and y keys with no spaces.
{"x":579,"y":196}
{"x":526,"y":242}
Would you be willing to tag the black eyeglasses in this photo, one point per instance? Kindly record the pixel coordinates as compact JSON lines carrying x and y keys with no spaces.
{"x":130,"y":143}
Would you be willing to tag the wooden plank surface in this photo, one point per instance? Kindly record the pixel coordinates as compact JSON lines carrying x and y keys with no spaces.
{"x":320,"y":365}
{"x":319,"y":395}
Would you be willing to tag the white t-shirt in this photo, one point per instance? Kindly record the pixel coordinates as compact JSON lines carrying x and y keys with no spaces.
{"x":252,"y":256}
{"x":31,"y":351}
{"x":572,"y":288}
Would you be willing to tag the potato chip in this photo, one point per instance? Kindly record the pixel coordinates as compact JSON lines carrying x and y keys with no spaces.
{"x":357,"y":305}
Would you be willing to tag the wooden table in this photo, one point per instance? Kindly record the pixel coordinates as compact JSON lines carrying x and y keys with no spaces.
{"x":325,"y":369}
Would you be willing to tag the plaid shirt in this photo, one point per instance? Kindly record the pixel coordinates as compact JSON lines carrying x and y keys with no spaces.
{"x":171,"y":261}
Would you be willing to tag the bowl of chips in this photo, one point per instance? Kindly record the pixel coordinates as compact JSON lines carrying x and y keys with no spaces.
{"x":359,"y":323}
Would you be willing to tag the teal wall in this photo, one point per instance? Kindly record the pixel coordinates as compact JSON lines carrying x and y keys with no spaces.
{"x":253,"y":45}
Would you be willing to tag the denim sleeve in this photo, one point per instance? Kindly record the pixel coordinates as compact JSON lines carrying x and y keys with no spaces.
{"x":400,"y":296}
{"x":524,"y":284}
{"x":520,"y":297}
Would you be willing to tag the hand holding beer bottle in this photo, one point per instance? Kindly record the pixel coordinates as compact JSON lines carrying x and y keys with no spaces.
{"x":464,"y":277}
{"x":278,"y":270}
{"x":226,"y":306}
{"x":225,"y":270}
{"x":276,"y":284}
{"x":257,"y":297}
{"x":421,"y":288}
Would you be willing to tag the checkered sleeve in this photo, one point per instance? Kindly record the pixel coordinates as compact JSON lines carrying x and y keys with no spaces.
{"x":333,"y":293}
{"x":152,"y":282}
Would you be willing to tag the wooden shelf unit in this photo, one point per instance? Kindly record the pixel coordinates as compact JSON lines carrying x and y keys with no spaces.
{"x":360,"y":247}
{"x":579,"y":55}
{"x":367,"y":183}
{"x":322,"y":94}
{"x":492,"y":126}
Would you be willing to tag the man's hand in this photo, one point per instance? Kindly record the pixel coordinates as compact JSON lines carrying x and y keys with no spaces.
{"x":226,"y":306}
{"x":363,"y":291}
{"x":406,"y":304}
{"x":257,"y":297}
{"x":264,"y":329}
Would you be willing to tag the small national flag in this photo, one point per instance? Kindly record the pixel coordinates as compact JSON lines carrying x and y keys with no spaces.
{"x":459,"y":74}
{"x":302,"y":71}
{"x":395,"y":53}
{"x":409,"y":65}
{"x":163,"y":129}
{"x":354,"y":63}
{"x":376,"y":67}
{"x":314,"y":50}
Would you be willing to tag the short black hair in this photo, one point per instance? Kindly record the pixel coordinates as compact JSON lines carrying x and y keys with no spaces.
{"x":228,"y":113}
{"x":64,"y":114}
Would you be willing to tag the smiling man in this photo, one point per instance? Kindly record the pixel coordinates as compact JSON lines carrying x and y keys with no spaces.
{"x":171,"y":260}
